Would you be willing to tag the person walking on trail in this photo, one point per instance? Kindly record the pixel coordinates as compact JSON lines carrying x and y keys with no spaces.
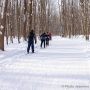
{"x":43,"y":39}
{"x":31,"y":39}
{"x":50,"y":36}
{"x":47,"y":39}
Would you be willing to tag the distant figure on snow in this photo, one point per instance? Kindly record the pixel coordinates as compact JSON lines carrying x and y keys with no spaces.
{"x":50,"y":36}
{"x":31,"y":39}
{"x":43,"y":39}
{"x":47,"y":39}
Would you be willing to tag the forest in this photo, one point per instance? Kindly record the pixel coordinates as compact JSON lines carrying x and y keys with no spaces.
{"x":66,"y":18}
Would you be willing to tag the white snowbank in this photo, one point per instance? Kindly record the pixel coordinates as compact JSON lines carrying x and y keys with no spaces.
{"x":64,"y":65}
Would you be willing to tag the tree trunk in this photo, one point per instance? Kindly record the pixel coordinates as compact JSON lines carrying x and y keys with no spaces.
{"x":3,"y":23}
{"x":30,"y":15}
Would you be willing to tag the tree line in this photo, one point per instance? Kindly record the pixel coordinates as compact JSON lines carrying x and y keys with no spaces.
{"x":18,"y":17}
{"x":74,"y":17}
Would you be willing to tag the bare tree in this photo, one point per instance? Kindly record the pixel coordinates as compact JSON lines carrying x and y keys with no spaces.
{"x":3,"y":26}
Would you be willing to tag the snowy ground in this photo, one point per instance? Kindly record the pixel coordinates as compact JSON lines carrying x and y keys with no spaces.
{"x":64,"y":65}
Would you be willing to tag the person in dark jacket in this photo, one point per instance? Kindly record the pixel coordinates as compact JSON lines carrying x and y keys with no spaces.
{"x":31,"y":39}
{"x":43,"y":39}
{"x":50,"y":36}
{"x":47,"y":39}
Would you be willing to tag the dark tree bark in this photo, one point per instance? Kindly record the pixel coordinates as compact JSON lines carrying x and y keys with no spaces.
{"x":3,"y":23}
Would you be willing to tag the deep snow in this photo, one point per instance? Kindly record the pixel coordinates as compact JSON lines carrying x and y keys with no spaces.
{"x":64,"y":65}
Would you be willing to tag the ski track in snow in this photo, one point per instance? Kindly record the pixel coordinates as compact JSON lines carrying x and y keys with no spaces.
{"x":64,"y":62}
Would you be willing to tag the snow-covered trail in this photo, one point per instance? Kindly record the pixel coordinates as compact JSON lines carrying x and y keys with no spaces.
{"x":64,"y":65}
